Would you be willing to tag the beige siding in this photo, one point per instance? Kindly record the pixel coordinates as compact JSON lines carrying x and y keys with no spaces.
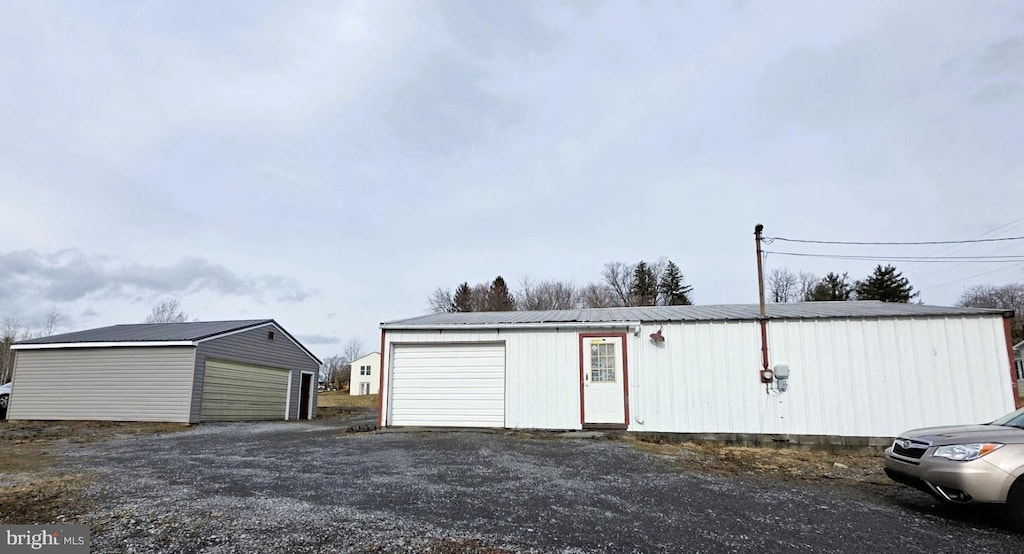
{"x":238,"y":392}
{"x":118,"y":384}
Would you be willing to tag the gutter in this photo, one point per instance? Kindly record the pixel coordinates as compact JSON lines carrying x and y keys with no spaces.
{"x":56,"y":345}
{"x":500,"y":326}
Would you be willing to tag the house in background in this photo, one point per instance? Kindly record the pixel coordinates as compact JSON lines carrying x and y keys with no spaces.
{"x":365,"y":377}
{"x":855,"y":369}
{"x":176,"y":372}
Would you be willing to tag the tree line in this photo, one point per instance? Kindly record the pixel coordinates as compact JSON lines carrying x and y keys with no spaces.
{"x":658,"y":283}
{"x":885,"y":283}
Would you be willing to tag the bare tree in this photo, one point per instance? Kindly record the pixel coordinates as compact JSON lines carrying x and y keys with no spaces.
{"x":547,"y":295}
{"x":441,"y":301}
{"x":332,"y":370}
{"x":619,"y":277}
{"x":599,"y":295}
{"x":168,"y":311}
{"x":783,"y":285}
{"x":353,"y":351}
{"x":1004,"y":297}
{"x":10,"y":331}
{"x":808,"y":283}
{"x":658,"y":269}
{"x":51,"y":323}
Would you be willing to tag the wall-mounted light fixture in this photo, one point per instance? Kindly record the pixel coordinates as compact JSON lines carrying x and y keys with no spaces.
{"x":657,"y":336}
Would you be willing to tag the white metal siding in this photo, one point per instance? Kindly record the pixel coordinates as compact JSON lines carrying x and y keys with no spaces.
{"x":448,"y":385}
{"x":856,"y":377}
{"x":880,"y":377}
{"x":542,"y":383}
{"x":118,"y":384}
{"x":240,"y":392}
{"x":702,"y":378}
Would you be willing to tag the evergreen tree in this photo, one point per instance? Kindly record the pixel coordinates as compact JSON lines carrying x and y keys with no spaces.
{"x":499,"y":299}
{"x":463,"y":299}
{"x":644,"y":291}
{"x":885,"y":284}
{"x":671,"y":289}
{"x":831,"y":287}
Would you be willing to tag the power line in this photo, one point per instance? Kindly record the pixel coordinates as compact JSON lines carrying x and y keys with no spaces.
{"x":966,"y":278}
{"x":919,"y":243}
{"x":955,"y":248}
{"x":922,"y":259}
{"x":1009,"y":226}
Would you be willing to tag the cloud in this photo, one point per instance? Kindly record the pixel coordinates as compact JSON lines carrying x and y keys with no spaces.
{"x":71,"y":275}
{"x":89,"y":312}
{"x":317,"y":339}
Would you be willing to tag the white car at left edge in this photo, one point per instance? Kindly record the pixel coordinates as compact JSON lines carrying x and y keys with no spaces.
{"x":5,"y":396}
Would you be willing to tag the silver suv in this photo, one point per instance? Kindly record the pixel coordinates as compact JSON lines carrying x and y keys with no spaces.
{"x":964,"y":464}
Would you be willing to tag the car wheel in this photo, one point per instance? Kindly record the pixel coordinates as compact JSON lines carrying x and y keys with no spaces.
{"x":1015,"y":504}
{"x":3,"y":401}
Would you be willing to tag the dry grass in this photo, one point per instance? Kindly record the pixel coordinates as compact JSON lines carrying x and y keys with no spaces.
{"x":340,"y":399}
{"x":342,"y":404}
{"x":859,"y":466}
{"x":31,"y":489}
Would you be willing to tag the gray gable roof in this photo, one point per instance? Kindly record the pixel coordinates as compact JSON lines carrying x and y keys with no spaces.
{"x":152,"y":332}
{"x":725,"y":312}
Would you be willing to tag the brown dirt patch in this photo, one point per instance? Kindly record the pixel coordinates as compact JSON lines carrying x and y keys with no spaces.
{"x":31,"y":489}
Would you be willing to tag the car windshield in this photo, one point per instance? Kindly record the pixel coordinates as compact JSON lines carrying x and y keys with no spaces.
{"x":1014,"y":419}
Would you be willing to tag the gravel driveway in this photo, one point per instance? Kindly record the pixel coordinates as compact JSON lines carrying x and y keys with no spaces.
{"x":311,"y":487}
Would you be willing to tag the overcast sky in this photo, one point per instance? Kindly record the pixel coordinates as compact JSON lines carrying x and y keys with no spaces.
{"x":330,"y":164}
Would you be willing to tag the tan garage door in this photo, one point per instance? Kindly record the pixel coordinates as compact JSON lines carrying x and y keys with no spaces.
{"x":236,"y":392}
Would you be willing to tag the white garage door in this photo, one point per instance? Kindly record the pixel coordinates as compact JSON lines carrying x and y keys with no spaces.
{"x":448,"y":385}
{"x":238,"y":392}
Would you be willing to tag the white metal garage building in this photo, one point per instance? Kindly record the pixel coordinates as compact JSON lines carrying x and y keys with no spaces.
{"x":177,"y":372}
{"x":857,"y":369}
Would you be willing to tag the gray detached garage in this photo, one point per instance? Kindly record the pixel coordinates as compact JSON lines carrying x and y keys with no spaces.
{"x":176,"y":372}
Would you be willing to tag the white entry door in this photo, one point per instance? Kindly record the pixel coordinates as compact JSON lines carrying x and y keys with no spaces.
{"x":604,"y":380}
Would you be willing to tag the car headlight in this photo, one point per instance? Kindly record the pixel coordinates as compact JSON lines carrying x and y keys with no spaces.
{"x":966,"y":452}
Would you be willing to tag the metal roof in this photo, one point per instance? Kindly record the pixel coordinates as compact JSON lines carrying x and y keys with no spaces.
{"x":724,"y":312}
{"x":151,"y":332}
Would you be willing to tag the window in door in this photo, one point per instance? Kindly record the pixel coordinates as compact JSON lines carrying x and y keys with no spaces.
{"x":602,"y":362}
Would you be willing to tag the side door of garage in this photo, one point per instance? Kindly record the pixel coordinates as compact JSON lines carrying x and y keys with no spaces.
{"x":448,"y":385}
{"x":237,"y":392}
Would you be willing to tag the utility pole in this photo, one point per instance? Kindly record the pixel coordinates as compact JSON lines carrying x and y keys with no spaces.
{"x":760,"y":269}
{"x":766,"y":374}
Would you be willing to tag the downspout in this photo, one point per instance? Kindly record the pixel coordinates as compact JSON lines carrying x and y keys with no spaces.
{"x":640,"y":374}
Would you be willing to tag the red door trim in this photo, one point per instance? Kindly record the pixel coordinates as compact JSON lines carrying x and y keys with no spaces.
{"x":625,"y":381}
{"x":1013,"y":366}
{"x":380,"y":389}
